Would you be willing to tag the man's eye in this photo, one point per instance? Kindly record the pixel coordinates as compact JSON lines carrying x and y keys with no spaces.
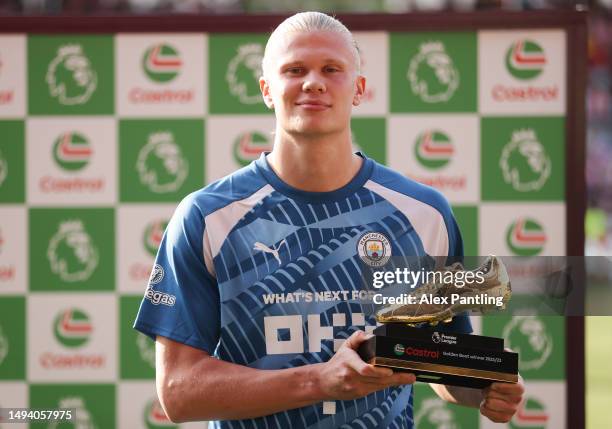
{"x":294,"y":70}
{"x":331,"y":69}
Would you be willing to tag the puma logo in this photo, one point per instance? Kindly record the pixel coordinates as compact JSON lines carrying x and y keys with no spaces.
{"x":266,"y":249}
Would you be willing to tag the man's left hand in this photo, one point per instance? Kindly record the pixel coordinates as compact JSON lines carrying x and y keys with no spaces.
{"x":500,"y":401}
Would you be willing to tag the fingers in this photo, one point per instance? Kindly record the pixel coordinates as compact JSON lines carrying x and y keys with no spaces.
{"x":366,"y":370}
{"x":356,"y":339}
{"x":501,"y":401}
{"x":495,"y":416}
{"x":351,"y":377}
{"x":513,"y":399}
{"x":512,"y":389}
{"x":352,"y":360}
{"x":400,"y":378}
{"x":499,"y":405}
{"x":395,"y":379}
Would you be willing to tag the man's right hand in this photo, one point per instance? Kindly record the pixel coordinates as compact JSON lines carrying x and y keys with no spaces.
{"x":346,"y":376}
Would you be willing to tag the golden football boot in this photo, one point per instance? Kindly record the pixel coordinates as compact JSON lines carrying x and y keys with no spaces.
{"x":439,"y":301}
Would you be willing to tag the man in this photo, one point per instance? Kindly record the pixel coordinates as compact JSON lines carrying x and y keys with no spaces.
{"x":257,"y":270}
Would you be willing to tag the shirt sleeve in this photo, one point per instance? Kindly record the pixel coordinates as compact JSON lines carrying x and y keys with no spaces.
{"x":181,"y":301}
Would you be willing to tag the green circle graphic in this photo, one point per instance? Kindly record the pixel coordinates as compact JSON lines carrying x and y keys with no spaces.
{"x":525,"y":59}
{"x":527,"y":240}
{"x":72,"y":151}
{"x":398,"y":349}
{"x":433,"y":149}
{"x":72,"y":328}
{"x":249,"y":146}
{"x":161,"y":63}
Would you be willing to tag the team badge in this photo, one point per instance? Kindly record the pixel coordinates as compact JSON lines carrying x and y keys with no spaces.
{"x":374,"y":249}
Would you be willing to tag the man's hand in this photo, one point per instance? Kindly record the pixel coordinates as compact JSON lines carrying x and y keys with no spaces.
{"x":500,"y":401}
{"x":346,"y":376}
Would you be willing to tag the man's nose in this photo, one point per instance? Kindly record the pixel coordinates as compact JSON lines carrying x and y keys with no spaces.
{"x":313,"y":83}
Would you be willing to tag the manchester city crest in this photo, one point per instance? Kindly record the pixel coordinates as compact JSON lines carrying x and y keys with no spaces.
{"x":374,"y":249}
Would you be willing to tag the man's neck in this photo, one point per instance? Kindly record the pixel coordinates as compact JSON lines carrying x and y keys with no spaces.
{"x":314,"y":164}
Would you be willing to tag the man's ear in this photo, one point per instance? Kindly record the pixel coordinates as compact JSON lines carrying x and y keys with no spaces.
{"x":265,"y":92}
{"x":360,"y":85}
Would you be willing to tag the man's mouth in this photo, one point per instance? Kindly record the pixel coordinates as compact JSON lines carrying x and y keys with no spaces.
{"x":313,"y":104}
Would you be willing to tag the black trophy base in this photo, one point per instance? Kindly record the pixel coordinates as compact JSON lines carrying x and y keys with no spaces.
{"x":440,"y":357}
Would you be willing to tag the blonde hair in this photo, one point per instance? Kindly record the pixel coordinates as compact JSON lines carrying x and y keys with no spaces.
{"x":311,"y":21}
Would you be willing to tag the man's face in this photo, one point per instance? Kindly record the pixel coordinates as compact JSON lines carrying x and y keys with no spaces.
{"x":312,"y":83}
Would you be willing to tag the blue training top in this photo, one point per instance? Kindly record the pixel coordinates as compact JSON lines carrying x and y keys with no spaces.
{"x":261,"y":274}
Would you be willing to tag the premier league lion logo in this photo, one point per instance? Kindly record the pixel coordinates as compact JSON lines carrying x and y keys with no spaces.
{"x":524,"y":162}
{"x":432,"y":74}
{"x":161,"y":165}
{"x":70,"y":76}
{"x":243,"y":72}
{"x":71,"y":252}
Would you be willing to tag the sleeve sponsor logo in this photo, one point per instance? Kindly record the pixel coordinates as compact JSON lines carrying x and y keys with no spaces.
{"x":157,"y":297}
